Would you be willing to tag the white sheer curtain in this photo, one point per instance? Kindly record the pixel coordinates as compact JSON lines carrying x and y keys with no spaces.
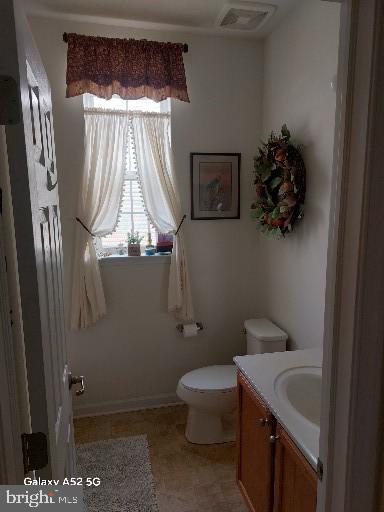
{"x":106,"y":139}
{"x":151,"y":140}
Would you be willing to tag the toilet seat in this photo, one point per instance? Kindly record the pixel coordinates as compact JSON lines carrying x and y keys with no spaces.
{"x":210,"y":393}
{"x":210,"y":389}
{"x":211,"y":379}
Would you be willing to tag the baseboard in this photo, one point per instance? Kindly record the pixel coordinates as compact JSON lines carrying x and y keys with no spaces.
{"x":132,"y":404}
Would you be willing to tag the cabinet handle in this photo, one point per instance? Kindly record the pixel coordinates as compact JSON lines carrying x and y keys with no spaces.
{"x":273,"y":439}
{"x":264,"y":422}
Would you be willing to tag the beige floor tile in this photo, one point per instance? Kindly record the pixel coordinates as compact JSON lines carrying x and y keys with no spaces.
{"x":188,"y":478}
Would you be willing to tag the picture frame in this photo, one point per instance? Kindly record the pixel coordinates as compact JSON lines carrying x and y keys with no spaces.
{"x":215,"y":186}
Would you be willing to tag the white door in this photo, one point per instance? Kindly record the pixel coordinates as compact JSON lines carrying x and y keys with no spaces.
{"x":26,"y":109}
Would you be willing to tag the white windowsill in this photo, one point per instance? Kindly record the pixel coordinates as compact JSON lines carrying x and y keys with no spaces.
{"x":135,"y":260}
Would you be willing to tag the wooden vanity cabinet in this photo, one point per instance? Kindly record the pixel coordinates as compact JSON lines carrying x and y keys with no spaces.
{"x":295,"y":481}
{"x":255,"y":452}
{"x":272,"y":476}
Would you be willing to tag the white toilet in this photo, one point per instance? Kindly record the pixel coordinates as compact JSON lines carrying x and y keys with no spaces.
{"x":210,"y":392}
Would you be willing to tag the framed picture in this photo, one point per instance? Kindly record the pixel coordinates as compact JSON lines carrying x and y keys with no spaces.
{"x":215,"y":186}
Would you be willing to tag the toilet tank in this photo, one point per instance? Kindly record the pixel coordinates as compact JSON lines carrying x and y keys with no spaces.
{"x":264,"y":336}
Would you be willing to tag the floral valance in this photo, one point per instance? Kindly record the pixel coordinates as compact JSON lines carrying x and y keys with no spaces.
{"x":131,"y":68}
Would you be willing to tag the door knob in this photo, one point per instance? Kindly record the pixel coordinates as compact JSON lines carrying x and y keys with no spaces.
{"x":273,"y":439}
{"x":77,"y":379}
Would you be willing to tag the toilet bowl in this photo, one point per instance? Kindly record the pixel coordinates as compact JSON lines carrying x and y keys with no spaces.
{"x":210,"y":392}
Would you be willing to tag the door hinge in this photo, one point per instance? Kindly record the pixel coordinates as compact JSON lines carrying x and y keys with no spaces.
{"x":319,"y":470}
{"x":35,"y":451}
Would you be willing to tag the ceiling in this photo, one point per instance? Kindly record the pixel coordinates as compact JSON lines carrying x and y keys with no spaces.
{"x":182,"y":15}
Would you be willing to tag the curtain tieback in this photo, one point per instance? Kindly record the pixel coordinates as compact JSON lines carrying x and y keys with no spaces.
{"x":182,"y":220}
{"x":84,"y":226}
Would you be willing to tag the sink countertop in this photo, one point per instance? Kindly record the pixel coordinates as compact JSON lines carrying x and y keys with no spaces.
{"x":261,"y":371}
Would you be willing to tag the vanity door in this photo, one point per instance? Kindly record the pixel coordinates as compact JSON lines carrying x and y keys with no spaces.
{"x":254,"y":449}
{"x":295,"y":479}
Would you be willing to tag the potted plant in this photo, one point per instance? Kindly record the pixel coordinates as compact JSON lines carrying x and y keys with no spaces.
{"x":134,"y":240}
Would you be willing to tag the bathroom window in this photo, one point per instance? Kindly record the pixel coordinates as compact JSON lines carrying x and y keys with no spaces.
{"x":132,"y":216}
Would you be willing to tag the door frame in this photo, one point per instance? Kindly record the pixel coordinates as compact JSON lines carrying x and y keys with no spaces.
{"x":11,"y":465}
{"x":353,"y":372}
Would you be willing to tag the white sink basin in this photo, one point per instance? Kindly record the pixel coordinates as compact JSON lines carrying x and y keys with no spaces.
{"x":299,"y":388}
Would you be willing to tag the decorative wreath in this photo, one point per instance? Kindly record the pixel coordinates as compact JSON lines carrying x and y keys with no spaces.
{"x":279,"y":185}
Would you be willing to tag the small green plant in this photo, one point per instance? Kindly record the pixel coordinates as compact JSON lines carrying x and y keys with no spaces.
{"x":134,"y":238}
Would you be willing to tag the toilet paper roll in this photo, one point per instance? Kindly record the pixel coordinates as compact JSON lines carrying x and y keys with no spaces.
{"x":190,"y":330}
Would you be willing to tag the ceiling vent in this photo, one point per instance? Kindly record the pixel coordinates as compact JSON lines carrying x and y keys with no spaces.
{"x":246,"y":16}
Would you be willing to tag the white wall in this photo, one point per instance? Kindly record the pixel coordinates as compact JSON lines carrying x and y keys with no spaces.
{"x":135,"y":356}
{"x":300,"y":60}
{"x":135,"y":351}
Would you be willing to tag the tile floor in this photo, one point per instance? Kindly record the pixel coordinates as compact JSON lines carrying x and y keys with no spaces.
{"x":189,"y":478}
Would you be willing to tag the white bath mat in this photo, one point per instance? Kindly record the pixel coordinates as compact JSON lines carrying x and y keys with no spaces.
{"x":124,"y":467}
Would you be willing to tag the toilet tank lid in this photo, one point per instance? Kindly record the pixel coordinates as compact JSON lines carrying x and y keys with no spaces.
{"x":264,"y":330}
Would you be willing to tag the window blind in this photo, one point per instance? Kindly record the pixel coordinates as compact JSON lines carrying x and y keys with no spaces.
{"x":132,"y":216}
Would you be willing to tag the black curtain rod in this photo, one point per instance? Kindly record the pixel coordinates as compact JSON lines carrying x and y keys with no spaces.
{"x":185,"y":46}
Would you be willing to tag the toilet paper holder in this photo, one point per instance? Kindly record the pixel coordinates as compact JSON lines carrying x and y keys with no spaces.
{"x":180,"y":327}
